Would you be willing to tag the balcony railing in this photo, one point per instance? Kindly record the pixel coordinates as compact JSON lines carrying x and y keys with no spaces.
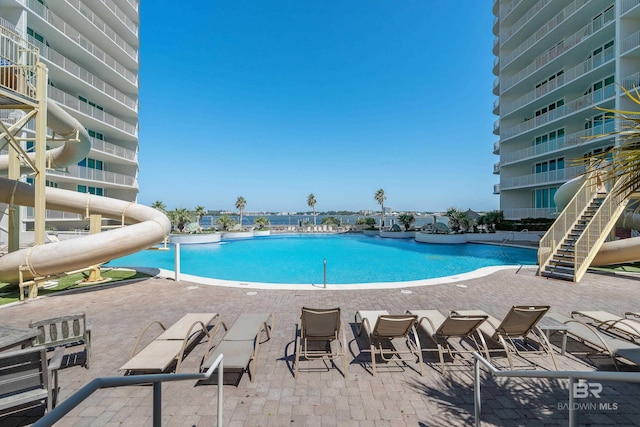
{"x":99,"y":176}
{"x":19,"y":60}
{"x":104,"y":28}
{"x":630,"y":42}
{"x":580,"y":103}
{"x":496,"y":167}
{"x":518,"y":213}
{"x":82,"y":107}
{"x":566,"y":141}
{"x":496,"y":189}
{"x":565,"y":78}
{"x":119,"y":13}
{"x":543,"y":178}
{"x":112,"y":149}
{"x":496,"y":147}
{"x":58,"y":23}
{"x":544,"y":30}
{"x":565,"y":45}
{"x":84,"y":75}
{"x":507,"y":32}
{"x":627,"y":5}
{"x":507,"y":8}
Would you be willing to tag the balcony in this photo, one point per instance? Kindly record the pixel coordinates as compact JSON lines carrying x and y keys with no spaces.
{"x":630,"y":42}
{"x":122,"y":16}
{"x":496,"y":189}
{"x":84,"y":75}
{"x":507,"y":32}
{"x":519,"y":213}
{"x":566,"y":44}
{"x":566,"y":141}
{"x":97,"y":176}
{"x":545,"y":29}
{"x":496,"y":107}
{"x":113,"y":150}
{"x":81,"y":107}
{"x":580,"y":103}
{"x":39,"y":9}
{"x":496,"y":147}
{"x":104,"y":28}
{"x":558,"y":176}
{"x":568,"y":76}
{"x":496,"y":168}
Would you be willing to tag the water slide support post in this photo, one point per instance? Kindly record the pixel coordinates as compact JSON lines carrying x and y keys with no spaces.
{"x":41,"y":155}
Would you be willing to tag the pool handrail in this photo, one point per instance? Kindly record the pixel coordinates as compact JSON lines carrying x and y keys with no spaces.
{"x":156,"y":379}
{"x":572,"y":376}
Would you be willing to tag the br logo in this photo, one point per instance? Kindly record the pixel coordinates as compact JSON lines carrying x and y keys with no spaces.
{"x":583,"y":389}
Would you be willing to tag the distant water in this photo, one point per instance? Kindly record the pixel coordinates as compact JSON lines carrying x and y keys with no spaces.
{"x":297,"y":220}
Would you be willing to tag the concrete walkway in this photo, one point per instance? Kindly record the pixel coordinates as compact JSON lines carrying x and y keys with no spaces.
{"x":321,"y":396}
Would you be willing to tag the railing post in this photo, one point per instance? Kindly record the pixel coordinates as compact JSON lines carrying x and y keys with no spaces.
{"x":220,"y":378}
{"x":176,"y":261}
{"x":157,"y":404}
{"x":573,"y":422}
{"x":476,"y":390}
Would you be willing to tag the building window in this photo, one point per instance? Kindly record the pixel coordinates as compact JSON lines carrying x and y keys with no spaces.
{"x":550,"y":107}
{"x":549,"y":165}
{"x":543,"y":198}
{"x":91,"y":190}
{"x":91,"y":164}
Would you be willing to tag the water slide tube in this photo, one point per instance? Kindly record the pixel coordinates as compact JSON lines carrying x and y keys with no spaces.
{"x":149,"y":226}
{"x":614,"y":252}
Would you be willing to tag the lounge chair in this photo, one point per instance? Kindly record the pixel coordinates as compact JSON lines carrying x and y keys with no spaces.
{"x":600,"y":341}
{"x":239,"y":344}
{"x":442,"y":329}
{"x":617,"y":325}
{"x":515,"y":331}
{"x":170,"y":347}
{"x":317,"y":330}
{"x":382,"y":328}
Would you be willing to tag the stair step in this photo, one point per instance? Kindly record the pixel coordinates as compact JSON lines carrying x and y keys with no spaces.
{"x":568,"y":277}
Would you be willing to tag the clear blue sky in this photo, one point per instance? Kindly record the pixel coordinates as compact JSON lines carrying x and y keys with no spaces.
{"x":273,"y":100}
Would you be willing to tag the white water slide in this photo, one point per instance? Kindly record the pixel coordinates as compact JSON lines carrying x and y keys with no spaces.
{"x":147,"y":227}
{"x":614,"y":252}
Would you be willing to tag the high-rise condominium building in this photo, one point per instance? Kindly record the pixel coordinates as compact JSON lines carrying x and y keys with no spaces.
{"x":90,"y":49}
{"x":556,"y":61}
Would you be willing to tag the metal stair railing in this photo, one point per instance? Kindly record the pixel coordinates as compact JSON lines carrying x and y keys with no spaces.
{"x":559,"y":230}
{"x":573,"y":376}
{"x":597,"y":230}
{"x":156,"y":379}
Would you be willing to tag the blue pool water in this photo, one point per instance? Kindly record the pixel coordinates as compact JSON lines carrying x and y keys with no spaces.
{"x":350,"y":259}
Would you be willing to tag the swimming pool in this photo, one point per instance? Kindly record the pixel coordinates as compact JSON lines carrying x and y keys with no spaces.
{"x":299,"y":259}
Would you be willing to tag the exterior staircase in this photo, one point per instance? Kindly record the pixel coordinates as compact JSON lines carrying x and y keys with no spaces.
{"x":568,"y":248}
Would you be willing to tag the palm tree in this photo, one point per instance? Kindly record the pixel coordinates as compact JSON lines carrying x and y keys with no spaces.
{"x":406,"y":219}
{"x":226,"y":222}
{"x":380,"y":197}
{"x":311,"y":201}
{"x":159,"y":206}
{"x":199,"y":213}
{"x":179,"y":217}
{"x":240,"y":204}
{"x":626,"y":155}
{"x":261,"y":221}
{"x":458,"y":220}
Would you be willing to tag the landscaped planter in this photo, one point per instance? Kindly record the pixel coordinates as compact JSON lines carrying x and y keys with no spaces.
{"x":195,"y":238}
{"x":237,"y":234}
{"x":257,"y":233}
{"x":398,"y":234}
{"x":448,"y":239}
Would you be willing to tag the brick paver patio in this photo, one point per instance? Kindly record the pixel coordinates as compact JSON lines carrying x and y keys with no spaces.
{"x":321,"y":396}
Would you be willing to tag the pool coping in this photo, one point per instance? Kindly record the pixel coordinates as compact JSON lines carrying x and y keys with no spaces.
{"x":481,"y":272}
